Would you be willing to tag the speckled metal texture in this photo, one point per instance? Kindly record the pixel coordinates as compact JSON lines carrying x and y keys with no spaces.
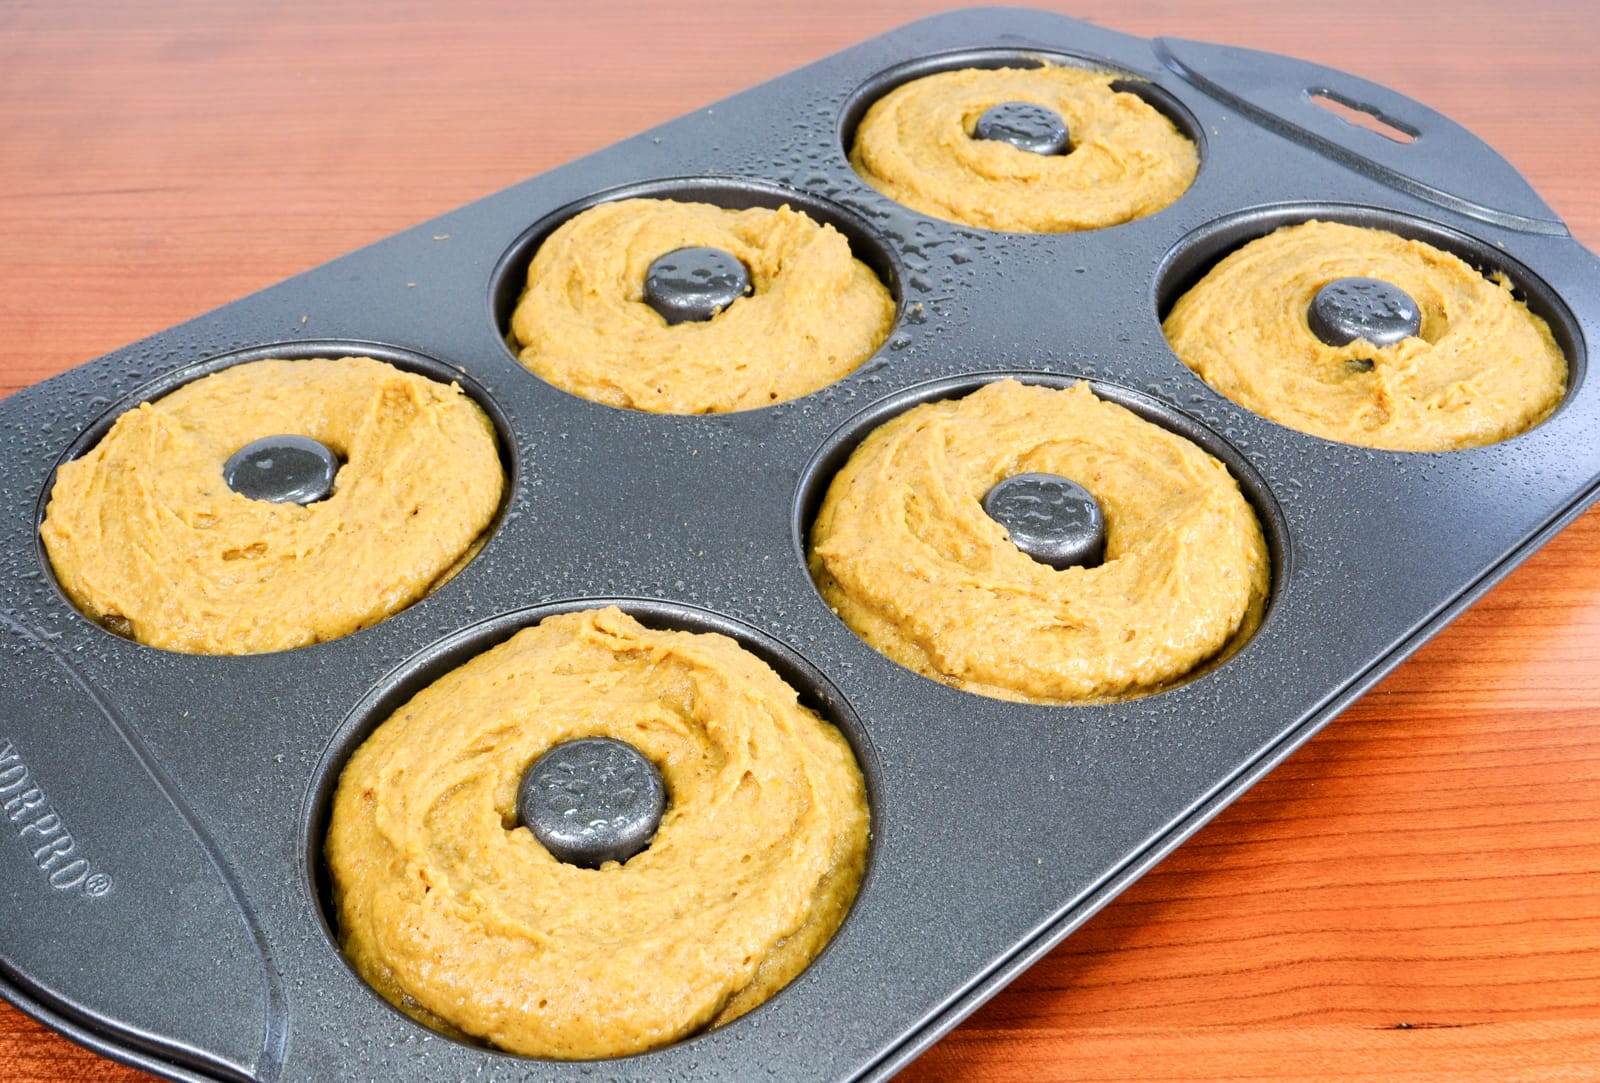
{"x":160,"y":881}
{"x":592,"y":800}
{"x":1053,"y":519}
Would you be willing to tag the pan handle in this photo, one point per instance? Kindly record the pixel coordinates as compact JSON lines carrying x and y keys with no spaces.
{"x":1422,"y":152}
{"x":120,"y":919}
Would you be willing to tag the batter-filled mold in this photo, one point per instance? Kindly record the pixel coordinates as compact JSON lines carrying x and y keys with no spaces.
{"x":592,"y":829}
{"x":1047,"y":541}
{"x":237,"y":509}
{"x":697,"y":296}
{"x":1368,"y":328}
{"x":1022,"y":141}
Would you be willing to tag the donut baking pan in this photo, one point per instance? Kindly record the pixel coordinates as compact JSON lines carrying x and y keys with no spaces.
{"x":161,"y":888}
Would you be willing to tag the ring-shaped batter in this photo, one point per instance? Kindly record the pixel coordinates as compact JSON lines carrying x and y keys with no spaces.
{"x":1128,"y":160}
{"x":1481,"y":369}
{"x":146,"y":537}
{"x":903,"y":551}
{"x":814,"y":315}
{"x":454,"y":911}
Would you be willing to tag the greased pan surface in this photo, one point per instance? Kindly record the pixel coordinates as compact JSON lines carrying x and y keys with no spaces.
{"x":191,"y":938}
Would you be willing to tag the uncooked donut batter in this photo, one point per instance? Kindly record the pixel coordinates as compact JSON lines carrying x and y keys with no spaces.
{"x":1481,"y":369}
{"x":905,"y":554}
{"x":456,"y":913}
{"x":1127,"y":160}
{"x":146,"y":537}
{"x":815,"y":313}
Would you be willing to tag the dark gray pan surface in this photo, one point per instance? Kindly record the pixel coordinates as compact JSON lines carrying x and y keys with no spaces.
{"x":181,"y":928}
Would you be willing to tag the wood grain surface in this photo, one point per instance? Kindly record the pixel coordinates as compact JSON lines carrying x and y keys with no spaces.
{"x":1413,"y":896}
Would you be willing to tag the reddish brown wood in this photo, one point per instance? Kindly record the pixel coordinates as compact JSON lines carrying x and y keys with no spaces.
{"x":1414,"y":896}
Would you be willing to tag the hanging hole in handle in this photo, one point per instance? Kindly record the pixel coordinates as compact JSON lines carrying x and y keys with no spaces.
{"x":1362,"y":115}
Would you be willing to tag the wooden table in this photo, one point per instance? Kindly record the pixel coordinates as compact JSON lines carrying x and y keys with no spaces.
{"x":1415,"y":895}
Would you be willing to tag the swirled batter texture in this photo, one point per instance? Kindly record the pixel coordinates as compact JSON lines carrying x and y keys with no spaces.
{"x":904,"y":552}
{"x":1127,"y":160}
{"x":459,"y":916}
{"x":814,"y":315}
{"x":1481,"y":369}
{"x":146,"y":537}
